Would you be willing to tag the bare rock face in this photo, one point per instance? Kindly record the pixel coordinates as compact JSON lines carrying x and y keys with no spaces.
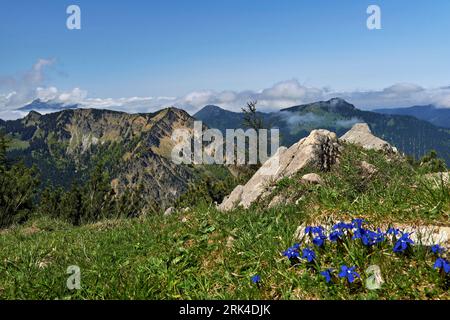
{"x":361,"y":134}
{"x":233,"y":199}
{"x":320,"y":149}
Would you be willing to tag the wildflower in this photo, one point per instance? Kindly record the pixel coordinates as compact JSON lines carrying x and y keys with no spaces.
{"x":314,"y":230}
{"x":292,"y":252}
{"x":370,"y":238}
{"x":357,"y":223}
{"x":327,"y":275}
{"x":437,"y":249}
{"x":308,"y":254}
{"x":393,"y":231}
{"x":442,"y":264}
{"x":256,"y":279}
{"x":335,"y":235}
{"x":403,"y":243}
{"x":349,"y":273}
{"x":342,"y":226}
{"x":319,"y":240}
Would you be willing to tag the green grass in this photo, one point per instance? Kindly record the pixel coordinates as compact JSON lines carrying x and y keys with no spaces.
{"x":17,"y":144}
{"x":164,"y":258}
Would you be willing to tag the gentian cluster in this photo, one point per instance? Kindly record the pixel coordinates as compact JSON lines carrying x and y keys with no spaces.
{"x":357,"y":223}
{"x":437,"y":249}
{"x":349,"y":273}
{"x":336,"y":235}
{"x":393,"y":231}
{"x":442,"y":264}
{"x":403,"y":243}
{"x":343,"y":226}
{"x":292,"y":252}
{"x":368,"y":237}
{"x":357,"y":230}
{"x":308,"y":254}
{"x":318,"y":235}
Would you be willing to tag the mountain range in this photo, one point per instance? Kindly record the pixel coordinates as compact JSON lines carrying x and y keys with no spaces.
{"x":136,"y":148}
{"x":440,"y":117}
{"x":409,"y":134}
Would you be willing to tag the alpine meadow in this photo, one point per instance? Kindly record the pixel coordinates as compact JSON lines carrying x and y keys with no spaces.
{"x":225,"y":150}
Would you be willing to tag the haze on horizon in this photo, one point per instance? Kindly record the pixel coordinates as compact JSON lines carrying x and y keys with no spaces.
{"x":143,"y":56}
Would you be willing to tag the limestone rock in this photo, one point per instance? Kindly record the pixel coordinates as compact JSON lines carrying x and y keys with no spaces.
{"x":169,"y":211}
{"x":361,"y":134}
{"x":234,"y":198}
{"x":312,"y":178}
{"x":320,"y":149}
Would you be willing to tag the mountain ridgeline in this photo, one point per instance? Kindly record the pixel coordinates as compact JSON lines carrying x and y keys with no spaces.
{"x":440,"y":117}
{"x":134,"y":148}
{"x":410,"y":135}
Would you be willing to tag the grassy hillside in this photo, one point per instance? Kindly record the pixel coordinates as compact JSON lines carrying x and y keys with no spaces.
{"x":201,"y":253}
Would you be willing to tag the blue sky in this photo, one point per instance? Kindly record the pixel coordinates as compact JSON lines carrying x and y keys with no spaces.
{"x":177,"y":47}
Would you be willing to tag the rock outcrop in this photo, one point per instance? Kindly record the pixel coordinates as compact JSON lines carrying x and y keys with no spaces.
{"x":320,"y":149}
{"x":361,"y":135}
{"x":312,"y":178}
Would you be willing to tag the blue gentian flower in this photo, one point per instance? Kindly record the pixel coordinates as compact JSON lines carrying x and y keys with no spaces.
{"x":256,"y":278}
{"x":349,"y":273}
{"x":314,"y":230}
{"x":308,"y":254}
{"x":319,"y":240}
{"x":403,"y":243}
{"x":357,"y":223}
{"x":370,"y":238}
{"x":393,"y":231}
{"x":335,"y":235}
{"x":437,"y":249}
{"x":327,"y":275}
{"x":292,"y":252}
{"x":443,"y":264}
{"x":342,"y":226}
{"x":359,"y":233}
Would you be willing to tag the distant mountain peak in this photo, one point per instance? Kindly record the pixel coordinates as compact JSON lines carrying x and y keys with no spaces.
{"x":211,"y":109}
{"x":337,"y":105}
{"x":40,"y":105}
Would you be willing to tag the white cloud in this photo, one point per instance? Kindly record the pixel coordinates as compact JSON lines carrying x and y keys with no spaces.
{"x":31,"y":85}
{"x":46,"y":94}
